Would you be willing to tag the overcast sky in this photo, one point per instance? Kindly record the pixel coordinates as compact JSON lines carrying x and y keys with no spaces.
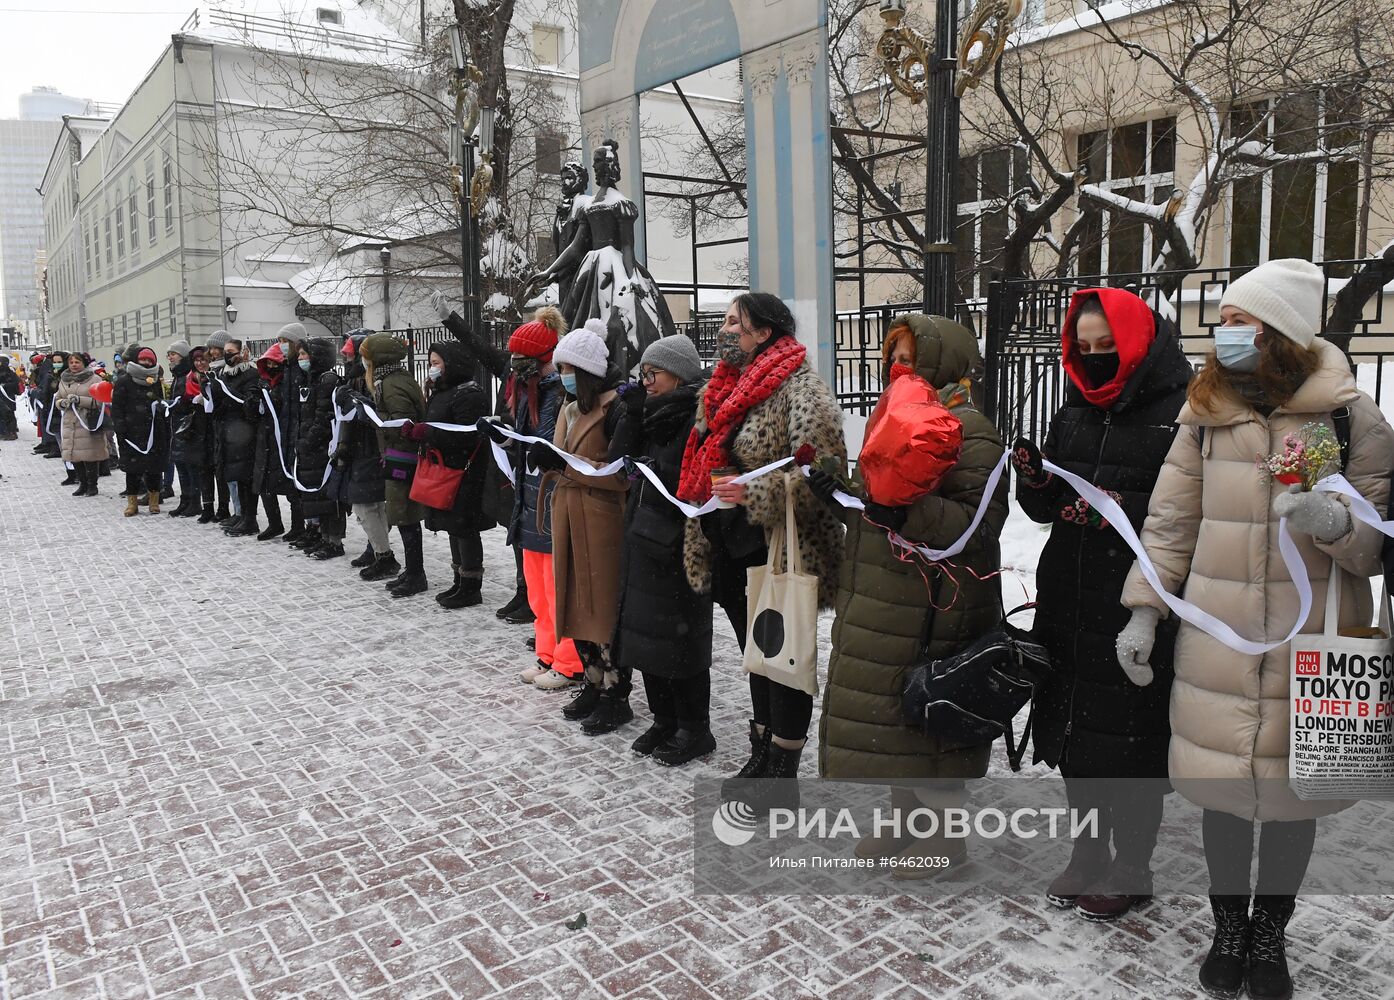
{"x":87,"y":48}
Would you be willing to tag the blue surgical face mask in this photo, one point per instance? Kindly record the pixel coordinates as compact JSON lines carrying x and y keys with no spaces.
{"x":433,"y":373}
{"x":568,"y":382}
{"x":1235,"y":348}
{"x":304,"y":366}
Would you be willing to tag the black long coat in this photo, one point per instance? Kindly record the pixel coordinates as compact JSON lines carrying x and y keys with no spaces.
{"x":191,"y":427}
{"x":271,"y":458}
{"x":456,"y":398}
{"x":315,"y":428}
{"x":236,"y":429}
{"x":1090,"y":720}
{"x":665,"y":628}
{"x":358,"y":463}
{"x":133,"y":419}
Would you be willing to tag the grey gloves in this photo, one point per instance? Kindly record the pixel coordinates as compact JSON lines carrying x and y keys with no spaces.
{"x":1321,"y":515}
{"x":441,"y":306}
{"x":1135,"y":645}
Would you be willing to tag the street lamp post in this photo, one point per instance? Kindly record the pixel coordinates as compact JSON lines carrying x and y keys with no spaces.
{"x":385,"y":255}
{"x":472,"y":187}
{"x":902,"y":50}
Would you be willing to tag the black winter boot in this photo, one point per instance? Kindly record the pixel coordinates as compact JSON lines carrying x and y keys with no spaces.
{"x":1222,"y":972}
{"x":242,"y":527}
{"x":445,"y":595}
{"x":733,"y":786}
{"x":583,"y":705}
{"x":1268,"y":963}
{"x":71,"y":478}
{"x":519,"y":602}
{"x":366,"y":559}
{"x":207,"y":517}
{"x":104,"y":468}
{"x":90,"y":474}
{"x":654,"y":737}
{"x":692,"y":740}
{"x":778,"y":786}
{"x":307,"y":539}
{"x":466,"y":593}
{"x":381,"y":567}
{"x":409,"y":585}
{"x":611,"y":713}
{"x":330,"y":548}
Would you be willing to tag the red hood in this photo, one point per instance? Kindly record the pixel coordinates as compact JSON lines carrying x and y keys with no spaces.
{"x":1134,"y":328}
{"x":273,"y":353}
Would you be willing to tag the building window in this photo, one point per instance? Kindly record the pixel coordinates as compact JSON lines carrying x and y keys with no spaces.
{"x":547,"y":153}
{"x":155,"y":321}
{"x":328,"y":15}
{"x":169,"y":195}
{"x":172,"y":331}
{"x":546,"y":44}
{"x":150,"y":206}
{"x":1305,"y":209}
{"x":986,"y":181}
{"x":133,"y":212}
{"x":106,"y":234}
{"x":1132,"y":161}
{"x":120,"y":233}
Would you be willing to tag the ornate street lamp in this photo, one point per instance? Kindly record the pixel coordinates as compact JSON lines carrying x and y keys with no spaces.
{"x":921,"y":75}
{"x":230,"y":310}
{"x":463,"y":179}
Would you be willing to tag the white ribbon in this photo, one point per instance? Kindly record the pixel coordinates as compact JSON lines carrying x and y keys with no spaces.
{"x":154,"y":405}
{"x":101,"y":418}
{"x":222,"y":385}
{"x":7,"y":395}
{"x":281,"y":452}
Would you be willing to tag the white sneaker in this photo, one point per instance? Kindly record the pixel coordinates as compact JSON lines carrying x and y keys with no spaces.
{"x":532,"y":673}
{"x":552,"y":680}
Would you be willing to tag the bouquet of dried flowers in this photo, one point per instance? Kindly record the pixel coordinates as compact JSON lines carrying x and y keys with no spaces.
{"x":1308,"y":457}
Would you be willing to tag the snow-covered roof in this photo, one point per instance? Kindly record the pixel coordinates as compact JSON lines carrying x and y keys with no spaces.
{"x":333,"y":283}
{"x":326,"y":29}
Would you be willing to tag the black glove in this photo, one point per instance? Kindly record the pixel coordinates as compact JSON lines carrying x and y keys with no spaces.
{"x":491,"y":431}
{"x":1026,"y":460}
{"x":890,"y":518}
{"x":822,"y":484}
{"x":633,"y":395}
{"x":544,"y":459}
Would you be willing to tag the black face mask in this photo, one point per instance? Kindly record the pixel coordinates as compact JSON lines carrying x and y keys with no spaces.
{"x":1100,"y":369}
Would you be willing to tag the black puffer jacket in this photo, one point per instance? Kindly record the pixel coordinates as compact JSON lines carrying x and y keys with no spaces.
{"x":1090,"y":720}
{"x":665,"y":628}
{"x":358,"y":462}
{"x":315,"y":426}
{"x":456,"y":398}
{"x":274,"y":456}
{"x":142,"y":430}
{"x":191,"y":425}
{"x":236,"y":428}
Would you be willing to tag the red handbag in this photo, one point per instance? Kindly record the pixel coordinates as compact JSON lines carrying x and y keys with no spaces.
{"x":436,"y":484}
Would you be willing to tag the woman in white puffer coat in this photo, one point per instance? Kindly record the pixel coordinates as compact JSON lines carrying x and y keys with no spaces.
{"x":1212,"y":533}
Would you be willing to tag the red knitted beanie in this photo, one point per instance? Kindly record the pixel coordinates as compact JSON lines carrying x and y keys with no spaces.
{"x":534,"y":340}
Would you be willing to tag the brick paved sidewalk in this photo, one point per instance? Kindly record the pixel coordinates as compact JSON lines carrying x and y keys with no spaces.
{"x":235,"y":772}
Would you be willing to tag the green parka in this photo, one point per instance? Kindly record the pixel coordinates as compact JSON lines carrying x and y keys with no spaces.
{"x":886,"y":616}
{"x":395,"y":397}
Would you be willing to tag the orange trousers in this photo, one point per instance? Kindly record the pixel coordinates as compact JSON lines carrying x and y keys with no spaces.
{"x":542,"y":598}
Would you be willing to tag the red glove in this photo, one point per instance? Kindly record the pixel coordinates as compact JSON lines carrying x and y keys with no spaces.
{"x":414,"y":431}
{"x":192,"y":389}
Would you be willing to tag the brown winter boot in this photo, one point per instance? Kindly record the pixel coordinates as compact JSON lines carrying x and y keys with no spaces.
{"x":154,"y":501}
{"x":904,"y":801}
{"x":132,"y":505}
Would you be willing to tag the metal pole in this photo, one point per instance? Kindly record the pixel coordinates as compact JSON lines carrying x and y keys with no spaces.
{"x":386,"y":297}
{"x":469,"y":255}
{"x":941,"y":165}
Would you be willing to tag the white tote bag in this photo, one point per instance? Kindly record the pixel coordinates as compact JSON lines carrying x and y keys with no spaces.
{"x":1342,"y":707}
{"x":781,"y":639}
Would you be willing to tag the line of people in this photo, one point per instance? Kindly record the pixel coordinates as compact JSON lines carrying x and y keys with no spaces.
{"x":615,"y":579}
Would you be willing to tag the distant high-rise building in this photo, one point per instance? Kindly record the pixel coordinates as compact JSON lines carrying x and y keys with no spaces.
{"x":25,"y":145}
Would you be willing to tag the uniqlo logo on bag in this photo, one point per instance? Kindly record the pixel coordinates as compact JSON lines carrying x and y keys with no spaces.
{"x":1308,"y":663}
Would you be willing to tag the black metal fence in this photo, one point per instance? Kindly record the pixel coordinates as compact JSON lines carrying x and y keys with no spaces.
{"x":1025,"y":383}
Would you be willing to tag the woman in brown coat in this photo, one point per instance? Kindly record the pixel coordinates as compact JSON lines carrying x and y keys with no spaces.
{"x":1212,"y":534}
{"x":84,"y":438}
{"x":588,"y":529}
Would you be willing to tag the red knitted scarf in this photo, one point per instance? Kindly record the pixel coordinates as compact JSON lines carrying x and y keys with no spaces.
{"x":730,"y":395}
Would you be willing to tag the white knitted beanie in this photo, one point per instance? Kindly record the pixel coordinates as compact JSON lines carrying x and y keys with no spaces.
{"x":1285,"y":295}
{"x":585,"y":349}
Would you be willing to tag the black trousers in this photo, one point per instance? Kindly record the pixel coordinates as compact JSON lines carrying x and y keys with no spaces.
{"x":467,"y":554}
{"x":411,"y":547}
{"x":1131,"y":811}
{"x":783,"y":710}
{"x":334,"y":524}
{"x":143,"y":480}
{"x":684,"y":702}
{"x":1284,"y":851}
{"x":8,"y":425}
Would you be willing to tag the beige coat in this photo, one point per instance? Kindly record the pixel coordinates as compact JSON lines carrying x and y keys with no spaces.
{"x":80,"y":444}
{"x":587,"y":529}
{"x":1211,"y":533}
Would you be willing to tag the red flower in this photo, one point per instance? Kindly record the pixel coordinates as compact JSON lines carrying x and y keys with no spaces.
{"x":805,"y":455}
{"x":1289,"y":478}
